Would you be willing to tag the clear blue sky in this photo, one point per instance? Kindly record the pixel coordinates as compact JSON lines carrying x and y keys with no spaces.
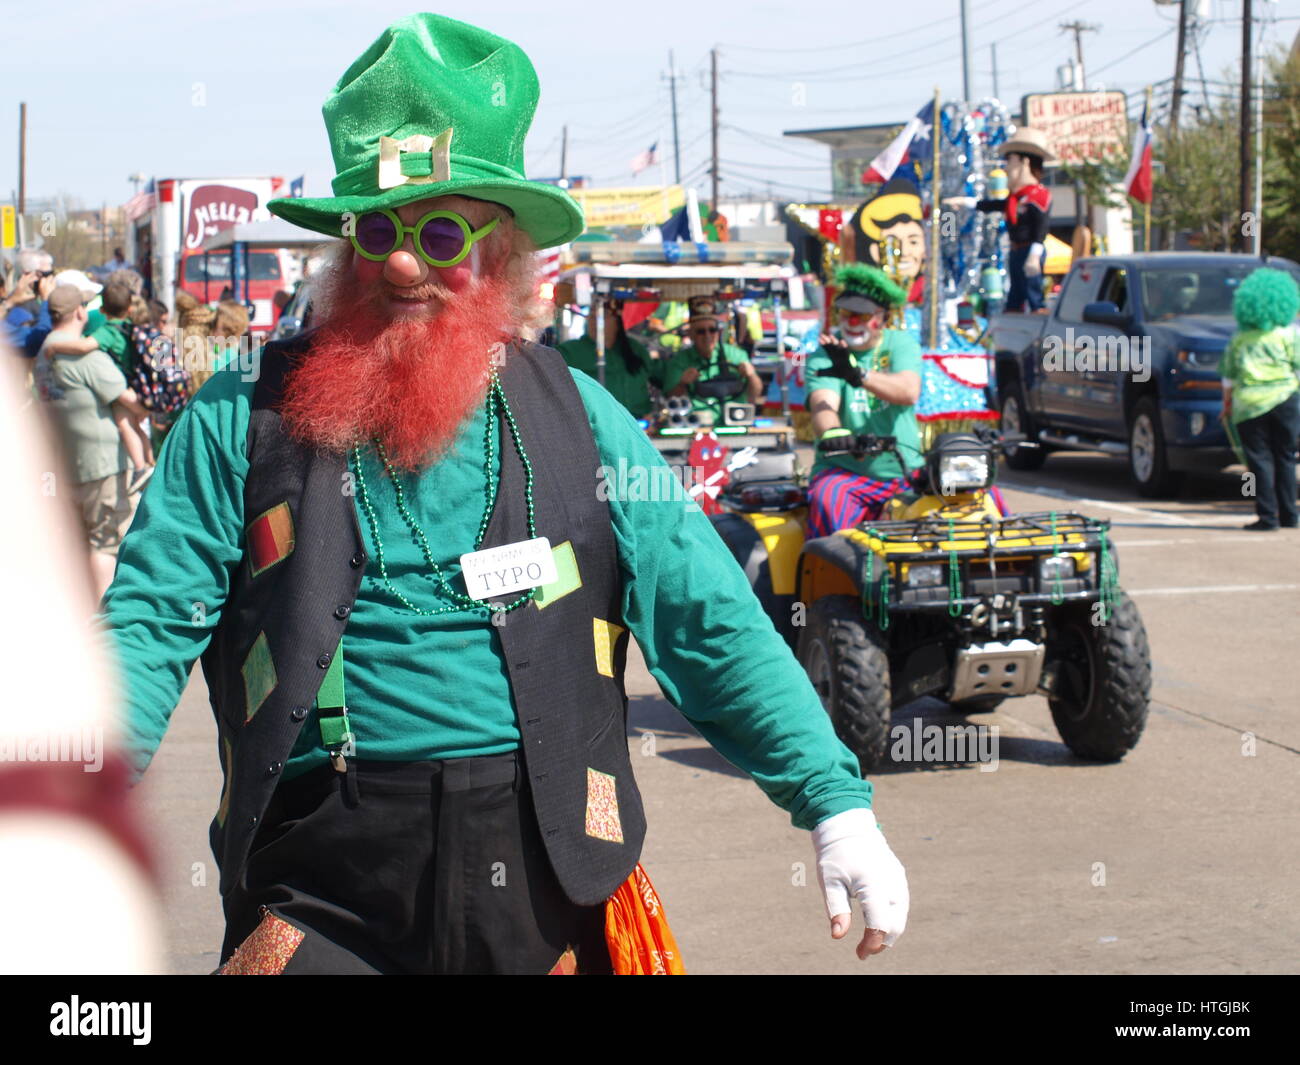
{"x":111,"y":87}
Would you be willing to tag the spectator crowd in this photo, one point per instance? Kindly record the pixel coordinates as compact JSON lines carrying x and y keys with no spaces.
{"x":111,"y":371}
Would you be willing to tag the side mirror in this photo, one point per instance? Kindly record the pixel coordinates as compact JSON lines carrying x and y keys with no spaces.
{"x":1104,"y":312}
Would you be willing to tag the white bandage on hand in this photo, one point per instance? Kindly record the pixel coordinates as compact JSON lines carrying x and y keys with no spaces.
{"x":854,"y":859}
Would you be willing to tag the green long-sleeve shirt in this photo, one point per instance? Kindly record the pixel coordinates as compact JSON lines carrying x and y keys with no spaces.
{"x":425,"y":687}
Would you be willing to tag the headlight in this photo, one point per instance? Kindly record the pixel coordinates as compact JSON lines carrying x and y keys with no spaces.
{"x":1201,"y":360}
{"x":962,"y":473}
{"x":1050,"y":567}
{"x":918,"y":576}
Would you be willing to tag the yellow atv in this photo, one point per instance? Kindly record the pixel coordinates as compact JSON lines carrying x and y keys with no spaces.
{"x":943,"y":596}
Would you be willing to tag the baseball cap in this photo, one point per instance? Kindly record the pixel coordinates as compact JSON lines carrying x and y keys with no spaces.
{"x":64,"y":300}
{"x":79,"y":281}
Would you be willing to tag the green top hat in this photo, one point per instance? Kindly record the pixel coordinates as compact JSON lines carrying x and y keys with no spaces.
{"x":435,"y":107}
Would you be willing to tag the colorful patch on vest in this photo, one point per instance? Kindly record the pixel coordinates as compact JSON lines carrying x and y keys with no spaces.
{"x":602,"y":807}
{"x":606,"y":635}
{"x":266,"y":951}
{"x":568,"y":579}
{"x":270,"y":539}
{"x":259,"y":676}
{"x":566,"y":966}
{"x":228,"y":771}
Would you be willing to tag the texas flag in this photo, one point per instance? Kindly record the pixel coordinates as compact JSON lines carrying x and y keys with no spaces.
{"x":914,"y":144}
{"x":1137,"y":182}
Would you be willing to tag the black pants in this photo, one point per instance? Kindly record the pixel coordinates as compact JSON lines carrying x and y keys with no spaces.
{"x":1269,"y":442}
{"x":436,"y":867}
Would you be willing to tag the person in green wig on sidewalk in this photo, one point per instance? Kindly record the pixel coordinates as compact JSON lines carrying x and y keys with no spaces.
{"x":1261,"y":391}
{"x":416,"y":600}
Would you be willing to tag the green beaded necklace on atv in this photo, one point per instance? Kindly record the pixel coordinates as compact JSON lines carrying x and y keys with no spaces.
{"x":497,"y":406}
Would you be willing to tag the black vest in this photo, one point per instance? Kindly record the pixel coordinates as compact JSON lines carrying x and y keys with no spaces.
{"x":280,"y":626}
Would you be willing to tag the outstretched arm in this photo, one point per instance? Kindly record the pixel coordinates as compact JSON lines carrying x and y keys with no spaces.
{"x":175,"y":565}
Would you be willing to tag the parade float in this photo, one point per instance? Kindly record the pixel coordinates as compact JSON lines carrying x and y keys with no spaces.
{"x":953,"y":264}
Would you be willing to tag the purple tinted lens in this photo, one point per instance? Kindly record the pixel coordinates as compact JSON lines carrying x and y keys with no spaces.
{"x":376,"y":233}
{"x":442,"y":239}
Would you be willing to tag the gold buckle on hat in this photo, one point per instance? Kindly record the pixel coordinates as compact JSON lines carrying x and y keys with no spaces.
{"x":390,"y":159}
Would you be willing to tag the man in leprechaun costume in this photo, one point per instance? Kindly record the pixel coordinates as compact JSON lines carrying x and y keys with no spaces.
{"x":867,"y":381}
{"x":413,"y":605}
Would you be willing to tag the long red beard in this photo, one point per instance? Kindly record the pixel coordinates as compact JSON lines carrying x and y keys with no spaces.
{"x":409,"y":384}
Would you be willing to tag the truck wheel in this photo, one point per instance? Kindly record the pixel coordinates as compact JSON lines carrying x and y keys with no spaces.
{"x":846,"y":661}
{"x":1015,"y":419}
{"x":1148,"y":459}
{"x":1103,"y":685}
{"x":748,"y":549}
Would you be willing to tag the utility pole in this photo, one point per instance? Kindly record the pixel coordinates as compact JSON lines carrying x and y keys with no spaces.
{"x":713,"y":55}
{"x":994,"y":49}
{"x":1178,"y":69}
{"x":1247,"y":22}
{"x":22,"y":158}
{"x":965,"y":52}
{"x":677,"y":148}
{"x":564,"y":151}
{"x":1079,"y":29}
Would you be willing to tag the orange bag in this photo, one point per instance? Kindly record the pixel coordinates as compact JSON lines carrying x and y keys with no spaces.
{"x":637,"y":933}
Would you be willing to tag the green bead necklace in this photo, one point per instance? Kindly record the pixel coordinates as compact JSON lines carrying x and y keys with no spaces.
{"x":496,"y":407}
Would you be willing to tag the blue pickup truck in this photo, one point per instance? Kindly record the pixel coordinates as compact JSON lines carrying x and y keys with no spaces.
{"x":1126,"y":362}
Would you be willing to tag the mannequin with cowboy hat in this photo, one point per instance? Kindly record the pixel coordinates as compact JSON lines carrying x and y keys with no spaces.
{"x":1027,"y":209}
{"x":417,"y":595}
{"x":708,"y":357}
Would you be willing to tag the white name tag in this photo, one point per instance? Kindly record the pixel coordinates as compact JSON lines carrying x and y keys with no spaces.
{"x":509,"y":568}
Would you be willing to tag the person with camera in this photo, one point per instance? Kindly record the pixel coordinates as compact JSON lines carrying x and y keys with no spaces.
{"x":23,"y":310}
{"x":868,"y":380}
{"x":706,"y":358}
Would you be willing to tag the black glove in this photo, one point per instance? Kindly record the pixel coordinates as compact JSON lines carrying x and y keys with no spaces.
{"x":844,"y":364}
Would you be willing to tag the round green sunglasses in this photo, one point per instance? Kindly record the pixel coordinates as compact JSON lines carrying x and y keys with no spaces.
{"x":443,"y":238}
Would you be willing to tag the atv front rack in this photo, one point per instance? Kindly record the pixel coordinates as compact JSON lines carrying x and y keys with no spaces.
{"x":986,"y":560}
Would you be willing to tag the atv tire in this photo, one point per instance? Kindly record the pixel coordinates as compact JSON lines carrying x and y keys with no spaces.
{"x":748,"y":549}
{"x":1103,"y":685}
{"x":845,"y":659}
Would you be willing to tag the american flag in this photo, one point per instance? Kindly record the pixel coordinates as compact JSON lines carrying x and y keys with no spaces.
{"x":647,"y":158}
{"x":141,"y":203}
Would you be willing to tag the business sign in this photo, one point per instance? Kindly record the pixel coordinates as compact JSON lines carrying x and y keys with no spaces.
{"x":8,"y":232}
{"x":214,"y":208}
{"x":1081,"y":127}
{"x":632,"y":206}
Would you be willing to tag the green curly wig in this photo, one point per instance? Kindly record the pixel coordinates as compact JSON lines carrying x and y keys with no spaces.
{"x":862,"y":279}
{"x":1267,"y":299}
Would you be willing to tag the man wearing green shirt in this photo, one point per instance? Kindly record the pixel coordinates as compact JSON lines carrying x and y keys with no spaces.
{"x":414,"y":606}
{"x":868,"y":382}
{"x":707,"y":358}
{"x":629,"y":370}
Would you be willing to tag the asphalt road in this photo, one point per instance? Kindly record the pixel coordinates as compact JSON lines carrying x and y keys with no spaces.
{"x":1180,"y":859}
